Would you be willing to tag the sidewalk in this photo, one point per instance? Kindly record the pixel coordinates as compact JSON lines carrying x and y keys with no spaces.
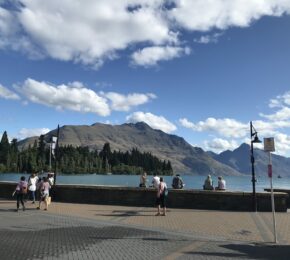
{"x":136,"y":233}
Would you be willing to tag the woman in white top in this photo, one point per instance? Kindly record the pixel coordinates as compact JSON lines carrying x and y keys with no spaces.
{"x":32,"y":181}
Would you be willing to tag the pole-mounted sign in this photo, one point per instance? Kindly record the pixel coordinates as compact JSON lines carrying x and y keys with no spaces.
{"x":269,"y":146}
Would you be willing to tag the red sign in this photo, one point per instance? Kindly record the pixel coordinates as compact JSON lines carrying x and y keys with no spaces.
{"x":270,"y":170}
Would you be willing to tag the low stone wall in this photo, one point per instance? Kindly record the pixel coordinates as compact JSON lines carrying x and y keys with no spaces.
{"x":145,"y":197}
{"x":284,"y":191}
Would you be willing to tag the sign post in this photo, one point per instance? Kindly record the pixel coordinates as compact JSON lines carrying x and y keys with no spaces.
{"x":269,"y":146}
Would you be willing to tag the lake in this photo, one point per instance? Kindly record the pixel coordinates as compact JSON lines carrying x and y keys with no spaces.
{"x":235,"y":183}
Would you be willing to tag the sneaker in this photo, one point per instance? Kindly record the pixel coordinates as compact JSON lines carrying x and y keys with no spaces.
{"x":157,"y":214}
{"x":33,"y":202}
{"x":45,"y":209}
{"x":38,"y":208}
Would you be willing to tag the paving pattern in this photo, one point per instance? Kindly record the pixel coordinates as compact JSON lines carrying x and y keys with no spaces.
{"x":79,"y":231}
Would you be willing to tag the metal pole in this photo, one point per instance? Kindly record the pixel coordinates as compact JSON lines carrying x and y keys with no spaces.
{"x":272,"y":197}
{"x":253,"y":171}
{"x":56,"y":156}
{"x":50,"y":156}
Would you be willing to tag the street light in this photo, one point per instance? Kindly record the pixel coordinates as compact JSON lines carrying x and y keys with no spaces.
{"x":254,"y":139}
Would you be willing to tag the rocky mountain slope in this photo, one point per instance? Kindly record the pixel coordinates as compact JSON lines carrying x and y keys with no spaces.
{"x":184,"y":157}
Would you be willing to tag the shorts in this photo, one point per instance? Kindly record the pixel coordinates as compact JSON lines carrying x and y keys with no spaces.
{"x":161,"y":201}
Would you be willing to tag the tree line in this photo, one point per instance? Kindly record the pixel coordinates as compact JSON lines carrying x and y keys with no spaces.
{"x":69,"y":159}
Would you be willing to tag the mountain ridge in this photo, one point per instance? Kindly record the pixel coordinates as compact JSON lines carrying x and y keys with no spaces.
{"x":184,"y":157}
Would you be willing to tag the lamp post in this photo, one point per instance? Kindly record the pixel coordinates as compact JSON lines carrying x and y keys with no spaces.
{"x":254,"y":139}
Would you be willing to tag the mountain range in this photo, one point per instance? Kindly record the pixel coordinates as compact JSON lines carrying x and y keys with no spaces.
{"x":184,"y":157}
{"x":239,"y":159}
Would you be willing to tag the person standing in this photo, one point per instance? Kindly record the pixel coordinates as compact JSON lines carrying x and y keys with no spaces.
{"x":21,"y":191}
{"x":32,"y":181}
{"x":161,"y":197}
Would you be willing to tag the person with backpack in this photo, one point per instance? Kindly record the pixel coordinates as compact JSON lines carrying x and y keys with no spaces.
{"x":177,"y":182}
{"x":162,"y":193}
{"x":21,"y":191}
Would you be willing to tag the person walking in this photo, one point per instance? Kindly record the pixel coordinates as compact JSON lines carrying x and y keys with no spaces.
{"x":161,"y":197}
{"x":21,"y":191}
{"x":44,"y":193}
{"x":32,"y":181}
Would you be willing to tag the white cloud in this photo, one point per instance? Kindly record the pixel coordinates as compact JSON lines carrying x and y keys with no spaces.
{"x":7,"y":94}
{"x":282,"y":114}
{"x":91,"y":32}
{"x":72,"y":97}
{"x":156,"y":122}
{"x":203,"y":15}
{"x":218,"y":145}
{"x":76,"y":96}
{"x":205,"y":39}
{"x":121,"y":102}
{"x":26,"y":132}
{"x":226,"y":127}
{"x":149,"y":56}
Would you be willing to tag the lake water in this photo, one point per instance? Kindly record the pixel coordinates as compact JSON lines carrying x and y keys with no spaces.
{"x":235,"y":183}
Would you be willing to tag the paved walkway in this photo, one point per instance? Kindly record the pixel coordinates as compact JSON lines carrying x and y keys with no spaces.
{"x":81,"y":231}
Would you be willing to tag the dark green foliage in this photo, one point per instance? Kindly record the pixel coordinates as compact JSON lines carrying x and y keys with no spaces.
{"x":72,"y":159}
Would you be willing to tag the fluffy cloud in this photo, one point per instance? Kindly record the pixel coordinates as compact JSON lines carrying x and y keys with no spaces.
{"x":156,"y":122}
{"x":203,"y":15}
{"x":205,"y":39}
{"x":218,"y":145}
{"x":149,"y":56}
{"x":7,"y":94}
{"x":76,"y":96}
{"x":121,"y":102}
{"x":25,"y":132}
{"x":91,"y":32}
{"x":226,"y":127}
{"x":71,"y":97}
{"x":283,"y":103}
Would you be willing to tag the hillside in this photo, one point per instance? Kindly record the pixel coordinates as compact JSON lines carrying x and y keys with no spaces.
{"x":184,"y":157}
{"x":239,"y":159}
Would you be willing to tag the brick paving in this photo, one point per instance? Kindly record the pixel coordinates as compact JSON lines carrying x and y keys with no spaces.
{"x":81,"y":231}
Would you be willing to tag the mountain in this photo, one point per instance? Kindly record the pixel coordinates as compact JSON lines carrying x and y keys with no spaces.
{"x":184,"y":157}
{"x":239,"y":159}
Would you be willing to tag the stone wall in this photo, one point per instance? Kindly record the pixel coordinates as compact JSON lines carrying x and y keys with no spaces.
{"x":283,"y":191}
{"x":145,"y":197}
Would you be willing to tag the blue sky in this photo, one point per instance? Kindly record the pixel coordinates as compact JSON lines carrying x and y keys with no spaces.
{"x":198,"y":69}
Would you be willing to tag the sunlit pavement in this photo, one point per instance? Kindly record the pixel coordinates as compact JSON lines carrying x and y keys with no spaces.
{"x":81,"y":231}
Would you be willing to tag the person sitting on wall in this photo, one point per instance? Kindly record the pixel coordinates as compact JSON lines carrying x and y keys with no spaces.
{"x":155,"y":181}
{"x":177,"y":182}
{"x":208,"y":183}
{"x":221,"y":184}
{"x":143,"y":180}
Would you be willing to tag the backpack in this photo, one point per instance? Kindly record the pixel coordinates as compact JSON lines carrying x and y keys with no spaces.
{"x":165,"y":192}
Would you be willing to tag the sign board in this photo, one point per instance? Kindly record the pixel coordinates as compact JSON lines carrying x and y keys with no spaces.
{"x":269,"y":144}
{"x":54,"y":139}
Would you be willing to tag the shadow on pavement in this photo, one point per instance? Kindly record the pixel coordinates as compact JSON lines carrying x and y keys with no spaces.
{"x":252,"y":251}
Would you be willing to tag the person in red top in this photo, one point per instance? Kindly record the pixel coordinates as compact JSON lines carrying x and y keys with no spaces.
{"x":21,"y":191}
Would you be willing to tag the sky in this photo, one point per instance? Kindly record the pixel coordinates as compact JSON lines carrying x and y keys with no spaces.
{"x":199,"y":69}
